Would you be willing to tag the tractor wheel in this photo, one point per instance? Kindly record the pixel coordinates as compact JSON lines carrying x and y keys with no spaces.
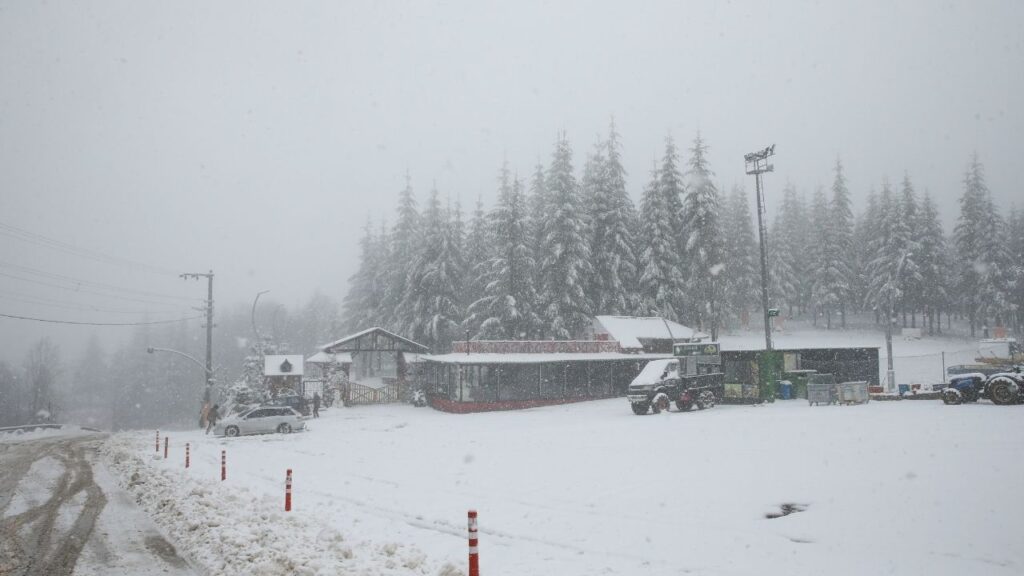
{"x":661,"y":402}
{"x":640,"y":409}
{"x":684,"y":406}
{"x":1003,"y":391}
{"x":952,"y":396}
{"x":706,"y":399}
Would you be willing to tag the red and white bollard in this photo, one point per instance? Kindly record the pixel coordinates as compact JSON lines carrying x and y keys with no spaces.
{"x":157,"y":441}
{"x":288,"y":491}
{"x":474,"y":556}
{"x":186,"y":454}
{"x":223,"y":465}
{"x":165,"y":447}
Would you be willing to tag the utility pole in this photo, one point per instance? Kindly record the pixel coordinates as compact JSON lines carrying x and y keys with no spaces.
{"x":209,"y":326}
{"x":756,"y":164}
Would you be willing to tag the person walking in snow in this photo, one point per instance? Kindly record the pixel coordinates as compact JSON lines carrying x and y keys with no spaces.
{"x":211,"y":417}
{"x":316,"y":404}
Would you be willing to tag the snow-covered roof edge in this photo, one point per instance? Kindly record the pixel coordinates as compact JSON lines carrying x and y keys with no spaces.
{"x":628,"y":330}
{"x":362,"y":333}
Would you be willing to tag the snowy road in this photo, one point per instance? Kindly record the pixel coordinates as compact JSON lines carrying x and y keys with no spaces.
{"x":62,"y":515}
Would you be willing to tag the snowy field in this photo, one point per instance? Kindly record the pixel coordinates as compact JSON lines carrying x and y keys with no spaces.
{"x":912,"y":487}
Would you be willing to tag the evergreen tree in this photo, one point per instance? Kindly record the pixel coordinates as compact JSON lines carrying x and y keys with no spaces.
{"x":565,"y":253}
{"x":742,"y":274}
{"x":361,"y":300}
{"x":821,"y":257}
{"x":841,"y":278}
{"x":865,"y":232}
{"x":911,"y":283}
{"x":403,"y":246}
{"x":434,"y":281}
{"x":892,"y":253}
{"x":786,"y":252}
{"x":478,"y":254}
{"x":703,"y":250}
{"x":670,"y":185}
{"x":1016,"y":269}
{"x":932,"y":258}
{"x":613,"y":219}
{"x":507,"y":307}
{"x":661,"y":281}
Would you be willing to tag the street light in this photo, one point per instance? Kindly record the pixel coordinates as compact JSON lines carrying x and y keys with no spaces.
{"x":207,"y":371}
{"x":890,"y":374}
{"x":259,"y":341}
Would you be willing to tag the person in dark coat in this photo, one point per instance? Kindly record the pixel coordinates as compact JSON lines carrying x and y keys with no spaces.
{"x":316,"y":404}
{"x":211,"y":417}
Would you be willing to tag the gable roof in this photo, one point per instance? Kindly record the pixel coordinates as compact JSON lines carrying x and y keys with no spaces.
{"x":369,"y":340}
{"x":628,"y":330}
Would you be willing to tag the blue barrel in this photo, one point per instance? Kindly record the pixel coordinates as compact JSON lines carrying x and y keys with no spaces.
{"x":786,"y":390}
{"x":904,"y":389}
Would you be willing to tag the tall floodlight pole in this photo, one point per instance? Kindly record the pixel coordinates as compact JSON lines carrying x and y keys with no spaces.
{"x":757,"y":164}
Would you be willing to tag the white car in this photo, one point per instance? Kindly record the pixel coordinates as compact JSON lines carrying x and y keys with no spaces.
{"x":261,"y":420}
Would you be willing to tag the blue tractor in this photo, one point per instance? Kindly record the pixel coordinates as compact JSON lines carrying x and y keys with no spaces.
{"x":1000,"y":388}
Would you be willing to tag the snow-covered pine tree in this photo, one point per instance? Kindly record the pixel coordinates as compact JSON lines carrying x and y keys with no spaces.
{"x":434,"y":281}
{"x":661,"y":280}
{"x":865,"y":232}
{"x":478,"y":254}
{"x":565,"y":253}
{"x":911,"y":287}
{"x":613,"y":248}
{"x":537,"y":206}
{"x":670,"y":185}
{"x":704,"y":249}
{"x":842,"y":276}
{"x":933,"y":262}
{"x":742,"y":274}
{"x":507,"y":307}
{"x":591,"y":189}
{"x":1016,"y":246}
{"x":821,"y":256}
{"x":405,"y":239}
{"x":786,"y":246}
{"x":893,"y":255}
{"x":362,"y":302}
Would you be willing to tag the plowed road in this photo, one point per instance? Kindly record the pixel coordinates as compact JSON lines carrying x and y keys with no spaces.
{"x":62,"y":514}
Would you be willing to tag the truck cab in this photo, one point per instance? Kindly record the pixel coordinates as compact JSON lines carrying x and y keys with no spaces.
{"x":692,"y":378}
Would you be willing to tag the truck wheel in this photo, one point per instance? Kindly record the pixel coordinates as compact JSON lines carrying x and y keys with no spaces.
{"x":1002,"y":391}
{"x":706,"y":399}
{"x":661,"y":402}
{"x":640,"y":409}
{"x":951,"y":397}
{"x":683,"y":406}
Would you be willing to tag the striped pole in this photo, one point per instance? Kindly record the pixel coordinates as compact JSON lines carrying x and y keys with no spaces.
{"x":157,"y":441}
{"x":474,"y":556}
{"x":165,"y":447}
{"x":186,"y":454}
{"x":223,"y":465}
{"x":288,"y":491}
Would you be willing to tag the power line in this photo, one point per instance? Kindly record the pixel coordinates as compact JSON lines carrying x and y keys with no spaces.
{"x":37,"y":300}
{"x":82,"y":290}
{"x":100,"y":323}
{"x":53,"y":244}
{"x":90,"y":283}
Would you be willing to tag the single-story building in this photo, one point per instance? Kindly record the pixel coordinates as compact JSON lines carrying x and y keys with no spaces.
{"x":507,"y":375}
{"x":649,"y":335}
{"x":375,"y":363}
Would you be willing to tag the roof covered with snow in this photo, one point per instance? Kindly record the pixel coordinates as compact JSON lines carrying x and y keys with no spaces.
{"x":283,"y":365}
{"x":322,"y":357}
{"x":628,"y":330}
{"x":540,"y":358}
{"x":369,"y":339}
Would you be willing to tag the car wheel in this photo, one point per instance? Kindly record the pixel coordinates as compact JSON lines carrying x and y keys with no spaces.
{"x":231,"y":431}
{"x":1003,"y":391}
{"x":284,"y":428}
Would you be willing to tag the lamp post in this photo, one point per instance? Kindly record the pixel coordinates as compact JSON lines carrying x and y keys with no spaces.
{"x":207,"y":371}
{"x":256,"y":332}
{"x":757,"y":164}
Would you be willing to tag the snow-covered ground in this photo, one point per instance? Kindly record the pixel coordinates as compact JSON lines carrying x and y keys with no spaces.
{"x":912,"y":487}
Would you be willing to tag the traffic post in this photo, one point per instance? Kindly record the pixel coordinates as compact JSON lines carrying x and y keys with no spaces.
{"x":288,"y":491}
{"x":186,"y":454}
{"x":157,"y":441}
{"x":165,"y":447}
{"x":474,"y":555}
{"x":223,"y":465}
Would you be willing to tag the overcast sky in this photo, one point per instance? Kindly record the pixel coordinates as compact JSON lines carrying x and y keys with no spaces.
{"x":255,"y":138}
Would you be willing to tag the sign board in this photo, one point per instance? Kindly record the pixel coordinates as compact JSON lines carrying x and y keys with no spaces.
{"x":773,"y":312}
{"x":697,"y":349}
{"x":283,"y":365}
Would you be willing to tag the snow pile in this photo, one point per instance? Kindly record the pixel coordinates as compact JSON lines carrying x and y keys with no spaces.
{"x":232,"y":530}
